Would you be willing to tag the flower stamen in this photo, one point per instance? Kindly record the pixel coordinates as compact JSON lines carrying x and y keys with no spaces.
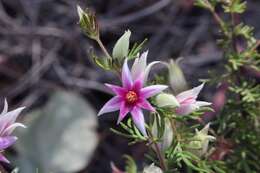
{"x":131,"y":97}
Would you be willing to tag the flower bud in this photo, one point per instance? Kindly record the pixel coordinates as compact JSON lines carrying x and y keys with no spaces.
{"x":200,"y":142}
{"x":88,"y":23}
{"x":121,"y":47}
{"x":176,"y":77}
{"x":166,"y":100}
{"x":167,"y":136}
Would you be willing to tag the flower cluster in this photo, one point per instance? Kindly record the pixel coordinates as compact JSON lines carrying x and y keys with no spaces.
{"x":133,"y":94}
{"x":166,"y":105}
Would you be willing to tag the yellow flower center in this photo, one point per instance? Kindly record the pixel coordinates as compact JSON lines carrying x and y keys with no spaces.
{"x":131,"y":97}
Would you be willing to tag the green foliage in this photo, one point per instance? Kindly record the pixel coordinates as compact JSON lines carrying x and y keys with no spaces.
{"x":207,"y":4}
{"x":238,"y":122}
{"x":179,"y":157}
{"x":130,"y":131}
{"x":130,"y":165}
{"x":244,"y":31}
{"x":249,"y":92}
{"x":234,"y":6}
{"x":136,"y":49}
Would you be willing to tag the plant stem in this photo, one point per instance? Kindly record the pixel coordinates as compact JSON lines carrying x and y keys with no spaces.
{"x":218,"y":20}
{"x":173,"y":124}
{"x":257,"y":44}
{"x":234,"y":39}
{"x":158,"y":152}
{"x":160,"y":156}
{"x":103,"y":47}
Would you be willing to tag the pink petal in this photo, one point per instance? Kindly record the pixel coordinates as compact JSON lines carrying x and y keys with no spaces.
{"x":152,"y":90}
{"x":3,"y":159}
{"x":126,"y":76}
{"x":11,"y":128}
{"x":194,"y":92}
{"x":9,"y":118}
{"x":124,"y":109}
{"x":146,"y":105}
{"x":112,"y":105}
{"x":117,"y":89}
{"x":6,"y":142}
{"x":138,"y":119}
{"x":139,"y":65}
{"x":186,"y":109}
{"x":138,"y":83}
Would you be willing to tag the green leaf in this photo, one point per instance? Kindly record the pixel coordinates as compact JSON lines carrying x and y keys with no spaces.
{"x":136,"y":49}
{"x":102,"y":62}
{"x":207,"y":4}
{"x":130,"y":165}
{"x":121,"y":47}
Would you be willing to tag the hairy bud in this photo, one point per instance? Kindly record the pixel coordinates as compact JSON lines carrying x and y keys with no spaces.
{"x":88,"y":23}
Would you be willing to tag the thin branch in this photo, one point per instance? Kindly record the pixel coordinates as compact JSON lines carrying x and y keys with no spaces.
{"x":103,"y":48}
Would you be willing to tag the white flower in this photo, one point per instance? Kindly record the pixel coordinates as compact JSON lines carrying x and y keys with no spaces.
{"x":140,"y":66}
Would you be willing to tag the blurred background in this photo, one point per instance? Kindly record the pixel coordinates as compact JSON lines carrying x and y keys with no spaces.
{"x":45,"y":66}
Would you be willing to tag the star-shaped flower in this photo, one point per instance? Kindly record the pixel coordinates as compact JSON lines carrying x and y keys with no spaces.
{"x":132,"y":96}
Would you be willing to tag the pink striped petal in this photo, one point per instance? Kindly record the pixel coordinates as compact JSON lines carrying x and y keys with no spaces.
{"x":138,"y":118}
{"x":194,"y":92}
{"x":139,"y":65}
{"x":117,"y":89}
{"x":186,"y":109}
{"x":152,"y":90}
{"x":3,"y":159}
{"x":124,"y":109}
{"x":9,"y":118}
{"x":11,"y":128}
{"x":146,"y":105}
{"x":7,"y":141}
{"x":126,"y":76}
{"x":112,"y":105}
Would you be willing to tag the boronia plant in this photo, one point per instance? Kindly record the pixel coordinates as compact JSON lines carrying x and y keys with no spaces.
{"x":173,"y":125}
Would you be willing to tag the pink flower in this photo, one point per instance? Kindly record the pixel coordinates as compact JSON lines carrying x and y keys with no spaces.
{"x":7,"y":126}
{"x":132,"y":97}
{"x":188,"y":102}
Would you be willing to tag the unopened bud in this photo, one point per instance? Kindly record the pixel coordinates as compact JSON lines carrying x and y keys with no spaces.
{"x":176,"y":77}
{"x":200,"y":142}
{"x":166,"y":100}
{"x":88,"y":23}
{"x":121,"y":47}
